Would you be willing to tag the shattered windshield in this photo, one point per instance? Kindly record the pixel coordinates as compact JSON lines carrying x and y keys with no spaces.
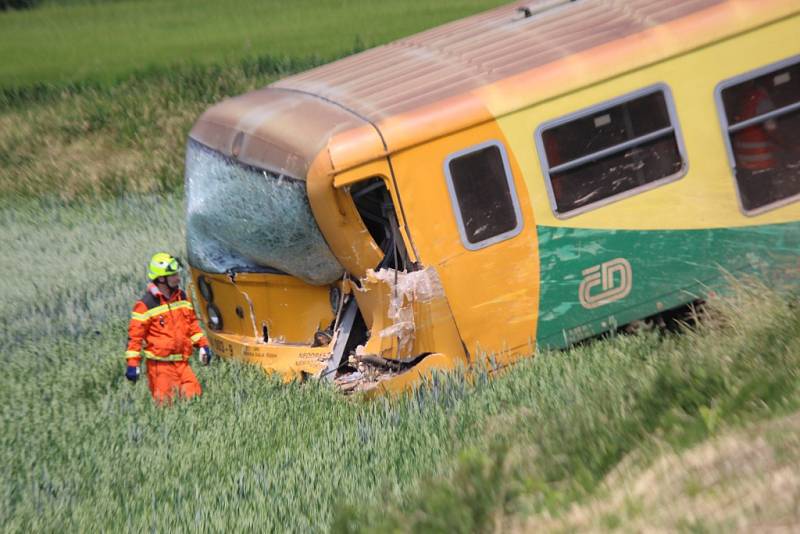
{"x":245,"y":219}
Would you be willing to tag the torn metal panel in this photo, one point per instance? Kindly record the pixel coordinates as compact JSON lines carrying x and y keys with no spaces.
{"x":341,"y":335}
{"x":406,"y":289}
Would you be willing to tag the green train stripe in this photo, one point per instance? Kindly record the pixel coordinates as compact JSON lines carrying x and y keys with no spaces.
{"x":594,"y":280}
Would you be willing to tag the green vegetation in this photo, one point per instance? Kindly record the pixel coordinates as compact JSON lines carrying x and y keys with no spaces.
{"x":84,"y":141}
{"x":634,"y":432}
{"x":571,"y":428}
{"x":97,"y":98}
{"x":85,"y":450}
{"x":80,"y":41}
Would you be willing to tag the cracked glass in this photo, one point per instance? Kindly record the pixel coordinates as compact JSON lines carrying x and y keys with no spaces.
{"x":244,"y":219}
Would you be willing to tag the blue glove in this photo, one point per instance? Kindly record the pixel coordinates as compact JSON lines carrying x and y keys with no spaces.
{"x":132,"y":373}
{"x":205,"y":355}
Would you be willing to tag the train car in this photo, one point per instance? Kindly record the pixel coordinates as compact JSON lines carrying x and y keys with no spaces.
{"x":530,"y":176}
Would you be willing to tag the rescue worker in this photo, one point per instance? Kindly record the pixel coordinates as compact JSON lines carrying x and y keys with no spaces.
{"x":164,"y":326}
{"x":755,"y":148}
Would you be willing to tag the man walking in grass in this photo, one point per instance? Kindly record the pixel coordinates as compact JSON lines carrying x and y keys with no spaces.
{"x":163,"y":325}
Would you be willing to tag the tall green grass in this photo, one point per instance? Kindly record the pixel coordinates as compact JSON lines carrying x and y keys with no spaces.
{"x":84,"y":450}
{"x":108,"y":41}
{"x":70,"y":268}
{"x":557,"y":426}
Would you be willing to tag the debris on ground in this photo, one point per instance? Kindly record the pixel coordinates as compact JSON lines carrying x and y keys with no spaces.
{"x":369,"y":371}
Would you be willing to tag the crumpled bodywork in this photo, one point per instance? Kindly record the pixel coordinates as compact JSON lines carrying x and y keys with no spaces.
{"x":411,"y":332}
{"x":406,"y":289}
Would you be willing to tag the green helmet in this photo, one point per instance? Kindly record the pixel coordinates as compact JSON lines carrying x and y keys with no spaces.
{"x":162,"y":264}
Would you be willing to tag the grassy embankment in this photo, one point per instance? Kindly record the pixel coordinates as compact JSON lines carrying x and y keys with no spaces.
{"x":689,"y":432}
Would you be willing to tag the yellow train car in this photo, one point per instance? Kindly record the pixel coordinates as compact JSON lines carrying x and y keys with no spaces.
{"x":530,"y":176}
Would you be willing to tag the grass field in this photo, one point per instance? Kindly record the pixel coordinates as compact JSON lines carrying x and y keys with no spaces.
{"x":694,"y":432}
{"x":107,"y":41}
{"x":84,"y":450}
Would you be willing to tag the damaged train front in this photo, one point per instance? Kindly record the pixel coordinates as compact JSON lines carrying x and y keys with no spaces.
{"x":301,"y":269}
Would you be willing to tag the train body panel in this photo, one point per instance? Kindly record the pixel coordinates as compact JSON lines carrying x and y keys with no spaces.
{"x":499,"y":184}
{"x":670,"y":243}
{"x":498,"y":280}
{"x":706,"y":196}
{"x":596,"y":280}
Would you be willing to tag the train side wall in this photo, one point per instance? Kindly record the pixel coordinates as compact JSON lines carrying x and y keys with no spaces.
{"x":671,"y":242}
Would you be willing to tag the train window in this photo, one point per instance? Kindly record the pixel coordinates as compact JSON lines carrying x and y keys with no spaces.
{"x":611,"y":151}
{"x":483,"y":195}
{"x":760,"y":114}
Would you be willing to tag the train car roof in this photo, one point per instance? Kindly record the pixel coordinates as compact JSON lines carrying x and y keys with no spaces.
{"x":426,"y":85}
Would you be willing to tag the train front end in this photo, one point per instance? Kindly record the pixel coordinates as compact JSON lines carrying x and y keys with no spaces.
{"x":296,"y":272}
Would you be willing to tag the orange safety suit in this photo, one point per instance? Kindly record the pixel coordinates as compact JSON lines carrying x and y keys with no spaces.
{"x":753,"y":146}
{"x":165,"y":329}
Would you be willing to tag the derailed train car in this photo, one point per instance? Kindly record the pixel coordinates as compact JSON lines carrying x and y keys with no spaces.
{"x":530,"y":176}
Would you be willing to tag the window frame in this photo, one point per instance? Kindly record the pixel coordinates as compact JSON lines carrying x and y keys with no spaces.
{"x":456,"y":206}
{"x":593,"y":110}
{"x":726,"y":133}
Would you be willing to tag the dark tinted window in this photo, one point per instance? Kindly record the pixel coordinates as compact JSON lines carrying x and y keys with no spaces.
{"x":482,"y":192}
{"x":606,"y":128}
{"x":611,"y":150}
{"x":782,"y":87}
{"x":615,"y":174}
{"x":763,"y":127}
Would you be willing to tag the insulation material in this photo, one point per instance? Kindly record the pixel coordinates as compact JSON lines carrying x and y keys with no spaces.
{"x":249,"y":220}
{"x":404,"y":290}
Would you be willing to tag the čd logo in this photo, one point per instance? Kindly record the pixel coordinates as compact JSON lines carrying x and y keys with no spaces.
{"x":605,"y":283}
